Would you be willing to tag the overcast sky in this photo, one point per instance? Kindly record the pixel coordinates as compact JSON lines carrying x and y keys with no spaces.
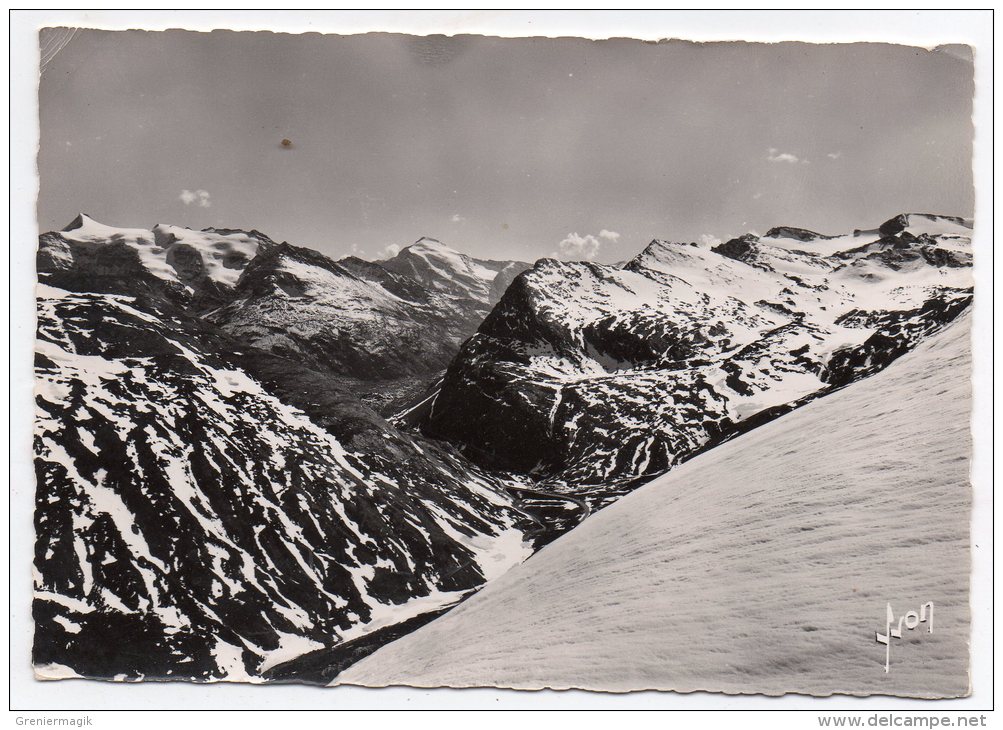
{"x":503,"y":148}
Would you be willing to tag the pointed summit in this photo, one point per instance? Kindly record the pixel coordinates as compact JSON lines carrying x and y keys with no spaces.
{"x":432,"y":244}
{"x":80,"y":221}
{"x":441,"y":268}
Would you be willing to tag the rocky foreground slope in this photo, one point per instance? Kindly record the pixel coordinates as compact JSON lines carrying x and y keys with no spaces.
{"x":591,"y":377}
{"x":763,"y":565}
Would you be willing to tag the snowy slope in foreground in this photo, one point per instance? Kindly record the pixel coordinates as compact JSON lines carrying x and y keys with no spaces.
{"x":763,"y":565}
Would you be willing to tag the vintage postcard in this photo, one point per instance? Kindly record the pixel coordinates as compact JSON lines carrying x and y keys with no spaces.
{"x":469,"y":361}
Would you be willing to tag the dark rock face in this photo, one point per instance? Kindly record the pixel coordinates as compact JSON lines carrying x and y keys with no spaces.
{"x":495,"y":423}
{"x":506,"y":275}
{"x":589,"y":377}
{"x":898,"y":224}
{"x":742,"y":248}
{"x":798,"y":234}
{"x":895,"y":333}
{"x":894,"y":226}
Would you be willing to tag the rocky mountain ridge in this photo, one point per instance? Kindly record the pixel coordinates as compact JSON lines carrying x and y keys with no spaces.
{"x":403,"y":318}
{"x":586,"y":376}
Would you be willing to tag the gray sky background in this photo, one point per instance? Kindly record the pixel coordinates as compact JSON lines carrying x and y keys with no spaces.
{"x":498,"y":147}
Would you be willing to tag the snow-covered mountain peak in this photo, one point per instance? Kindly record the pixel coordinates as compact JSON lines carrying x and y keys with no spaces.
{"x":432,"y":244}
{"x":83,"y":222}
{"x":176,"y":263}
{"x":440,"y":253}
{"x":351,"y":317}
{"x":660,"y":252}
{"x":371,"y":320}
{"x":446,"y":270}
{"x":85,"y":228}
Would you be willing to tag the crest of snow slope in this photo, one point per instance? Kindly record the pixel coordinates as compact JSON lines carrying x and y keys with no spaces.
{"x":443,"y":269}
{"x":351,"y":317}
{"x":761,"y":566}
{"x":206,"y":511}
{"x":587,"y":374}
{"x":179,"y":263}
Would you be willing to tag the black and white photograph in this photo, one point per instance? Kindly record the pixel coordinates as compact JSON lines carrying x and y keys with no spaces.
{"x":526,"y":363}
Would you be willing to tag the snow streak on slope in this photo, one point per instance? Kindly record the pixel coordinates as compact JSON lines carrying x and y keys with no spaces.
{"x":763,"y":565}
{"x":207,"y":511}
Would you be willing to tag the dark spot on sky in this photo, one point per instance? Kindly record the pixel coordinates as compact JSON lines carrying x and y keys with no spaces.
{"x":434,"y":50}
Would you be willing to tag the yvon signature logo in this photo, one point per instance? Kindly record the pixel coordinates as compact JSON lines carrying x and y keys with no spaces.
{"x":910,"y":620}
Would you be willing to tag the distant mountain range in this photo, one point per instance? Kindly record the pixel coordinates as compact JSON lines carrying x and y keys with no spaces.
{"x":369,"y":321}
{"x":219,"y":497}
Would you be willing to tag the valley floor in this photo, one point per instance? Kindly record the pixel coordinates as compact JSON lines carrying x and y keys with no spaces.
{"x":762,"y":566}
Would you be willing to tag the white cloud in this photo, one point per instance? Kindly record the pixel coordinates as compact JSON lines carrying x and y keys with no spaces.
{"x":576,"y":247}
{"x":456,"y":218}
{"x":775,"y":155}
{"x":196,"y":197}
{"x":708,"y":239}
{"x":834,"y":155}
{"x":579,"y":247}
{"x":388,"y":251}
